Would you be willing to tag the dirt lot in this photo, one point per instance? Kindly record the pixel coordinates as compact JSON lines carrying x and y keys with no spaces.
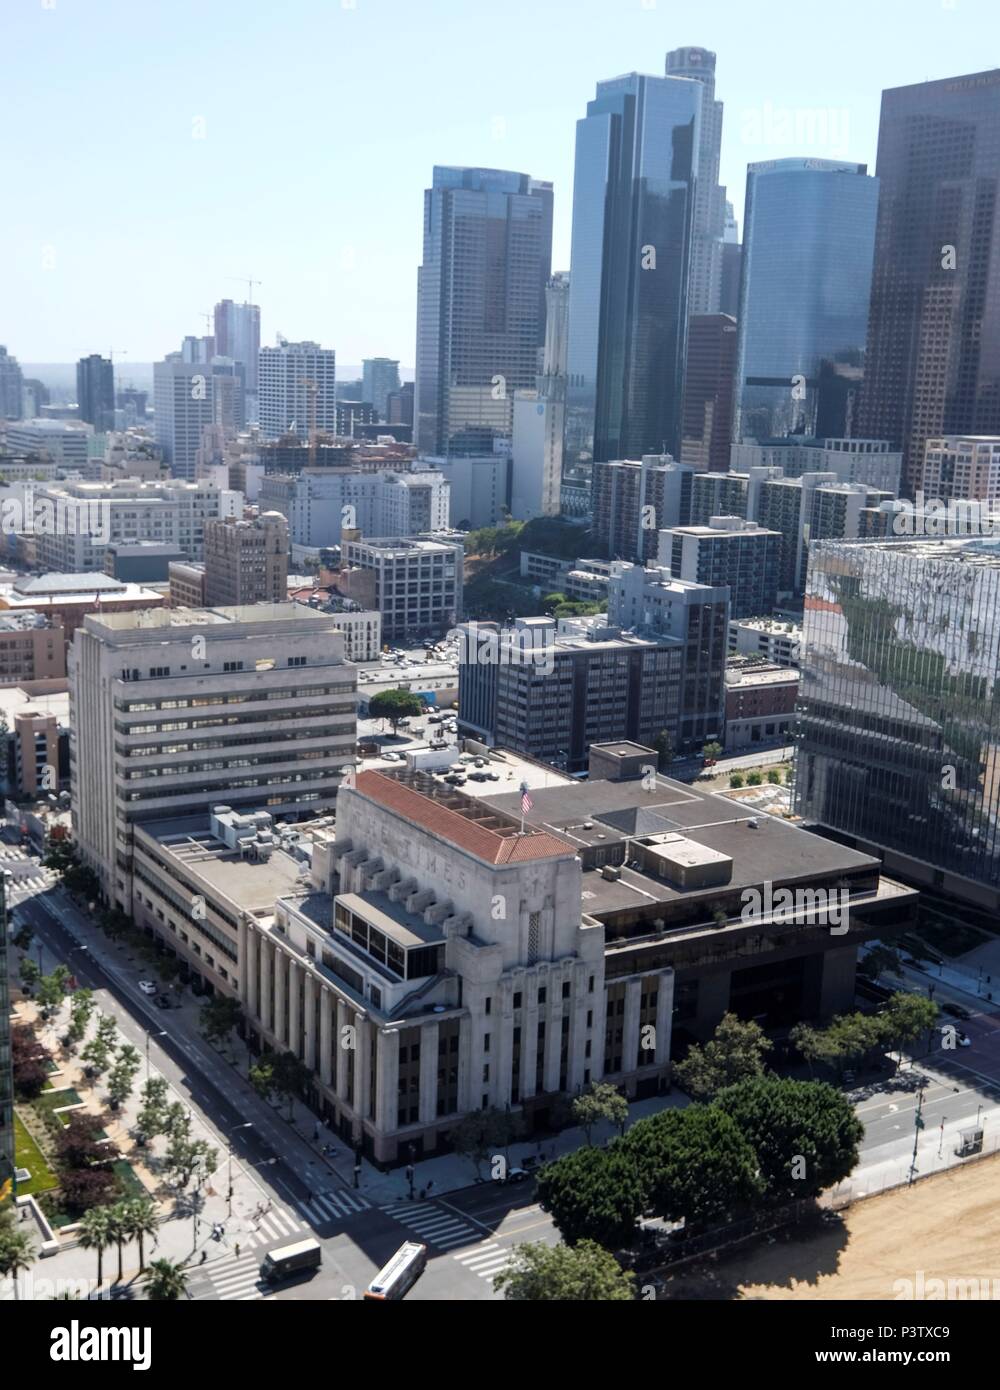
{"x":947,"y":1226}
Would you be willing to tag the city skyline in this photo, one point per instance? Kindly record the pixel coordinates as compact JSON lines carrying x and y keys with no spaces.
{"x":206,"y":140}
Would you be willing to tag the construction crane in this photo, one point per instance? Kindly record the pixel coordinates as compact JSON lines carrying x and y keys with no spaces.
{"x":246,"y":280}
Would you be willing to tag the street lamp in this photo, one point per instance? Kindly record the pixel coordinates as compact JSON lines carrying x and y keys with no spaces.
{"x":247,"y":1125}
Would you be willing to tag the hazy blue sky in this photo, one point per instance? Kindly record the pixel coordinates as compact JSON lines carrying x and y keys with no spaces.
{"x":321,"y":121}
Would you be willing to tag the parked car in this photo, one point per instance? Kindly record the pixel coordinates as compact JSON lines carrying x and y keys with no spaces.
{"x":147,"y":987}
{"x":162,"y":1001}
{"x":518,"y":1175}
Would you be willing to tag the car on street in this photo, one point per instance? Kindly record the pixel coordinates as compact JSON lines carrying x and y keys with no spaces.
{"x":147,"y":986}
{"x":162,"y":1001}
{"x":518,"y":1175}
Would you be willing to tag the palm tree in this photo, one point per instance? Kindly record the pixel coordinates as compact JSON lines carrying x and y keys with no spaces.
{"x":16,"y":1254}
{"x":166,"y":1281}
{"x":95,"y":1233}
{"x":118,"y":1232}
{"x":141,"y":1220}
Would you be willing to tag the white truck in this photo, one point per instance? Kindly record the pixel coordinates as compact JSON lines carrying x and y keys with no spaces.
{"x":430,"y":759}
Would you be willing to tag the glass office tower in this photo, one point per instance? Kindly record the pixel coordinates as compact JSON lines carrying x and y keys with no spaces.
{"x":933,"y":364}
{"x":633,"y":209}
{"x":808,"y":244}
{"x":899,"y":724}
{"x":487,"y":259}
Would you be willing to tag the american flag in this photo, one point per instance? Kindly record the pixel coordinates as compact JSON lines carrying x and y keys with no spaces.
{"x":526,"y":801}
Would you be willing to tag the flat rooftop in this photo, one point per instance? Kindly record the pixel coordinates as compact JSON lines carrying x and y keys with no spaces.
{"x":250,"y":613}
{"x":407,"y":929}
{"x":251,"y":886}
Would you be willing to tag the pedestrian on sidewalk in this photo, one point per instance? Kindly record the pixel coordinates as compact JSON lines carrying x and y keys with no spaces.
{"x":237,"y":1249}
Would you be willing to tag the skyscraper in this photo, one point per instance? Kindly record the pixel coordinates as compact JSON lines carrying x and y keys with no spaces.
{"x":732,"y":264}
{"x":380,"y":377}
{"x":480,"y":305}
{"x":705,"y":281}
{"x":633,"y":210}
{"x":95,"y":392}
{"x":193,"y":389}
{"x":808,"y":242}
{"x":900,"y":705}
{"x":540,"y":417}
{"x":297,"y":390}
{"x":934,"y":343}
{"x":708,"y":392}
{"x":237,"y":335}
{"x":11,"y":387}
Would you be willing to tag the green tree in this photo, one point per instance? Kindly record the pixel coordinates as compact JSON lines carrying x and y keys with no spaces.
{"x":141,"y":1219}
{"x":581,"y":1273}
{"x":52,"y":989}
{"x":16,"y":1253}
{"x":290,"y":1076}
{"x":906,"y":1018}
{"x":879,"y":960}
{"x":152,"y":1117}
{"x":694,"y":1165}
{"x":189,"y":1158}
{"x":736,"y":1051}
{"x":165,"y":1281}
{"x":736,"y":780}
{"x":665,"y":748}
{"x":711,"y":751}
{"x":774,"y":777}
{"x":177,"y":1120}
{"x":594,"y":1194}
{"x":261,"y":1078}
{"x":394,"y":705}
{"x":601,"y":1102}
{"x":480,"y":1135}
{"x":95,"y":1232}
{"x":100,"y":1049}
{"x":81,"y":1007}
{"x":805,"y":1133}
{"x":219,"y":1016}
{"x":31,"y":972}
{"x":123,"y":1074}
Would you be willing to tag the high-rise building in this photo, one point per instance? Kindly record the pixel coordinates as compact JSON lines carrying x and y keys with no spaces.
{"x":900,"y":703}
{"x":633,"y":214}
{"x":732,"y":265}
{"x":319,"y":503}
{"x":871,"y":461}
{"x":632,"y":500}
{"x":550,"y":690}
{"x":192,"y":392}
{"x":808,"y":243}
{"x":708,"y":392}
{"x":258,"y":702}
{"x":540,"y":417}
{"x":400,"y":405}
{"x":65,"y":442}
{"x":246,"y":561}
{"x":480,"y":305}
{"x":11,"y":387}
{"x":297,"y":390}
{"x":705,"y":281}
{"x":729,"y":551}
{"x":380,"y":378}
{"x":962,"y":466}
{"x":95,"y":392}
{"x":237,"y":335}
{"x":935,"y":313}
{"x":418,"y":582}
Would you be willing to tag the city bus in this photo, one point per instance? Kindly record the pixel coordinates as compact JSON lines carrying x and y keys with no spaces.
{"x":400,"y":1274}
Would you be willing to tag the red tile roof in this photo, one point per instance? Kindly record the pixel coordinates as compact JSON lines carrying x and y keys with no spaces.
{"x":457,"y":829}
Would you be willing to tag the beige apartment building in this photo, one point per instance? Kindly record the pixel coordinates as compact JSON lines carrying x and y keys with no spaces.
{"x":246,"y":561}
{"x":173,"y":710}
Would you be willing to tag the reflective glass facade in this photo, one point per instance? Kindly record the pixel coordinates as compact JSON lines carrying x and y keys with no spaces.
{"x":933,"y":364}
{"x":899,"y":724}
{"x":633,"y":207}
{"x":480,"y":305}
{"x":808,"y":244}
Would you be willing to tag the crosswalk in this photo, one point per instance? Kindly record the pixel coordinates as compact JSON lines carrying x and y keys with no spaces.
{"x":433,"y":1224}
{"x":274,"y":1226}
{"x":332,"y":1205}
{"x":486,"y":1260}
{"x":234,"y":1278}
